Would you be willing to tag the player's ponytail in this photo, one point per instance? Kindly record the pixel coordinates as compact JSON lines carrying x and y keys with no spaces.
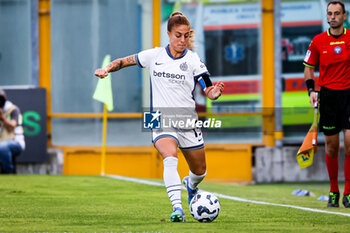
{"x":177,"y":18}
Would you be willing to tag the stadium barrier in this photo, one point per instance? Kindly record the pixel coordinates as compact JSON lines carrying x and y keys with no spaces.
{"x":226,"y":163}
{"x":52,"y":166}
{"x":274,"y":164}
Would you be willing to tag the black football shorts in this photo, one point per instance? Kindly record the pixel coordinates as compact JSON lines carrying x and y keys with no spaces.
{"x":334,"y":110}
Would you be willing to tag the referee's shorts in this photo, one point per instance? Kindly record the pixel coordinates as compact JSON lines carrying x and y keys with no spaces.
{"x":334,"y":110}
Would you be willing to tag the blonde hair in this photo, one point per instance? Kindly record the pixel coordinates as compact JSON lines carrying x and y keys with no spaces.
{"x":177,"y":18}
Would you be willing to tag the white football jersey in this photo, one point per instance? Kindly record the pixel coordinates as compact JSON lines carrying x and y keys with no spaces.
{"x":173,"y":80}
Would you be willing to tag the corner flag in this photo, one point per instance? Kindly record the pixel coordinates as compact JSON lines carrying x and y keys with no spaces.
{"x":307,"y":150}
{"x":103,"y":91}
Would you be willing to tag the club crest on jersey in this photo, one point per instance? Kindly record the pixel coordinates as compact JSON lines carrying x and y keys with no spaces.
{"x":184,"y":66}
{"x":337,"y":50}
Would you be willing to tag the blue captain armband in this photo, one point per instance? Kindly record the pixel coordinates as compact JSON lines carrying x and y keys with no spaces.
{"x":204,"y":81}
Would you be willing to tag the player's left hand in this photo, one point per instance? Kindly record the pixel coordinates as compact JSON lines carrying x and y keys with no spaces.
{"x":217,"y":90}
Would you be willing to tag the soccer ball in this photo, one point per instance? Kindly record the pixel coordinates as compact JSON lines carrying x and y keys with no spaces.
{"x":205,"y":207}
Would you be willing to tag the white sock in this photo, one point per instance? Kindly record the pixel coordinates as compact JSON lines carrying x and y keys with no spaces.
{"x":195,"y":180}
{"x":172,"y":181}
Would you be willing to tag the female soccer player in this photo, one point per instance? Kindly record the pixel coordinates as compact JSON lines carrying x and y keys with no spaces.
{"x":174,"y":71}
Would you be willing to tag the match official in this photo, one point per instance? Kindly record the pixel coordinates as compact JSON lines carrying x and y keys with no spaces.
{"x":330,"y":50}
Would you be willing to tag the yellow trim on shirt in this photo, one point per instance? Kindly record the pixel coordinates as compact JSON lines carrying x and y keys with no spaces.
{"x":305,"y":64}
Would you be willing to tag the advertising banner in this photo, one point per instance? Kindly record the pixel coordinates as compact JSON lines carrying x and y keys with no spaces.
{"x":32,"y":103}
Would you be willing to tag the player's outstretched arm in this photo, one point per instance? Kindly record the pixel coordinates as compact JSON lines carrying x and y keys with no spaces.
{"x":116,"y":65}
{"x":214,"y":92}
{"x":309,"y":74}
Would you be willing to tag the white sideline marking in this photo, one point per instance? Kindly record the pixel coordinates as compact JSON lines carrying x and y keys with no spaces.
{"x":135,"y":180}
{"x":282,"y":205}
{"x":230,"y":197}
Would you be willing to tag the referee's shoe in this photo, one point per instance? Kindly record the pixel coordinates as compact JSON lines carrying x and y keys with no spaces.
{"x":346,"y":200}
{"x":333,"y":200}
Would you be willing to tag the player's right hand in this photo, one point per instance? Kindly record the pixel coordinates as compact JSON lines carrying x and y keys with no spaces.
{"x":101,"y":73}
{"x":314,"y":99}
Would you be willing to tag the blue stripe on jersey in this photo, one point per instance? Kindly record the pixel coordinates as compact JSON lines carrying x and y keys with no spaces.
{"x":138,"y":61}
{"x":202,"y":83}
{"x":182,"y":55}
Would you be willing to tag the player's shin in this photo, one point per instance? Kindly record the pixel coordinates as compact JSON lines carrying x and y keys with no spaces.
{"x":347,"y":174}
{"x":332,"y":167}
{"x":172,"y":181}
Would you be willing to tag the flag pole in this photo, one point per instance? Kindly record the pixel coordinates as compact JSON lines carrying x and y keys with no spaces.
{"x":103,"y":93}
{"x":104,"y":136}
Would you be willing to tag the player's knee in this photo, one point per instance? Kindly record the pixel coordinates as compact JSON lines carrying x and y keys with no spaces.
{"x":332,"y":151}
{"x":167,"y":152}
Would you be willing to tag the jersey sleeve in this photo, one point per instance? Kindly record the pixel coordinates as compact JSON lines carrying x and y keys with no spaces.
{"x":199,"y":67}
{"x":200,"y":73}
{"x":312,"y":55}
{"x":144,"y":58}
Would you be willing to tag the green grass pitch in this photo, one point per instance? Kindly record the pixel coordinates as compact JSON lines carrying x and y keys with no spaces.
{"x":102,"y":204}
